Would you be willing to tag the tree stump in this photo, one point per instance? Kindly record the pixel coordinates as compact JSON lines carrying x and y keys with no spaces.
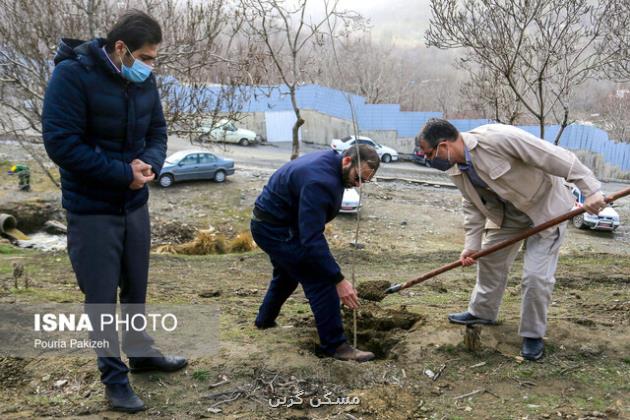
{"x":472,"y":338}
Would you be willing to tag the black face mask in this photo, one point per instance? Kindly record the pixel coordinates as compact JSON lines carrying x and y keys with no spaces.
{"x":440,"y":164}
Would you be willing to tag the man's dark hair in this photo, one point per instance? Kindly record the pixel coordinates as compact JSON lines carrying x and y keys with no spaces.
{"x":366,"y":153}
{"x":136,"y":29}
{"x":437,"y":130}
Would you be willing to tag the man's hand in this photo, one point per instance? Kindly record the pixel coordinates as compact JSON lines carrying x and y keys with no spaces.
{"x":347,"y":294}
{"x":465,"y":259}
{"x":595,"y":203}
{"x":147,"y":171}
{"x":141,"y":174}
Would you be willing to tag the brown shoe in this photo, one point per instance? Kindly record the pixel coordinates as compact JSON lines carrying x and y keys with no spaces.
{"x":346,"y":352}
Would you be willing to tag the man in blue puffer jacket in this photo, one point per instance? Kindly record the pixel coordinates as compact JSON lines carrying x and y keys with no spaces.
{"x":103,"y":125}
{"x":288,"y":222}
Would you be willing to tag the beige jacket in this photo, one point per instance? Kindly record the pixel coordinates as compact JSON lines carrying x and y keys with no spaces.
{"x":522,"y":169}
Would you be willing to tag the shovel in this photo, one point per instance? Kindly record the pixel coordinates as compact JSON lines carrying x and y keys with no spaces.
{"x":398,"y":287}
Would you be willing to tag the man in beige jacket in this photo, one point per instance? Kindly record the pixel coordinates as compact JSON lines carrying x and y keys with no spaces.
{"x":510,"y":181}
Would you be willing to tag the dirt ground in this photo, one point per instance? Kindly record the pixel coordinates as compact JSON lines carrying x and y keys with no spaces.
{"x":423,"y":369}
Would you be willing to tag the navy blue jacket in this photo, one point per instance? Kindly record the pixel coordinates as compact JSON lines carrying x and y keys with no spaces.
{"x":305,"y":194}
{"x":94,"y":124}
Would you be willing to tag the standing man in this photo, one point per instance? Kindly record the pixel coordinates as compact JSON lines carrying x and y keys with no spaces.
{"x":288,"y":223}
{"x":103,"y":125}
{"x":510,"y":181}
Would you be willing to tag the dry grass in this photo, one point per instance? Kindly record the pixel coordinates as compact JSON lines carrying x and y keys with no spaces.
{"x":210,"y":242}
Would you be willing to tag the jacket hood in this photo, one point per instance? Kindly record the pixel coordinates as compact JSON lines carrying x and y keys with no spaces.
{"x":66,"y":49}
{"x":86,"y":52}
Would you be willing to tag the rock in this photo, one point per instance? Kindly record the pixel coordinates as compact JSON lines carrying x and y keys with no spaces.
{"x":46,"y":378}
{"x":60,"y":383}
{"x":53,"y":227}
{"x":210,"y":293}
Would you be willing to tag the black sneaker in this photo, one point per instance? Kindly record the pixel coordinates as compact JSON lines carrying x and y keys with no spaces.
{"x":533,"y":348}
{"x":466,"y":318}
{"x":122,"y":398}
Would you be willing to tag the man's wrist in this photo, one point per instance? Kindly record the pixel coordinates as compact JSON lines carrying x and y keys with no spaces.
{"x":339,"y":278}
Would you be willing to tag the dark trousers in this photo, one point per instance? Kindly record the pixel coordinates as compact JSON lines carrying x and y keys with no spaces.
{"x":290,"y":268}
{"x":108,"y":253}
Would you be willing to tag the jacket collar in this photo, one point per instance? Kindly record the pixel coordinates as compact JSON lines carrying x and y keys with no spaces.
{"x":470,"y":140}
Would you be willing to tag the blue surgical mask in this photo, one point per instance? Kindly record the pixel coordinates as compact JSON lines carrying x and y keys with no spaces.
{"x":138,"y":72}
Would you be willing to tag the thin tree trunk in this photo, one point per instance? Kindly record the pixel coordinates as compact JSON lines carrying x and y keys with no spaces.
{"x":295,"y":150}
{"x":565,"y":120}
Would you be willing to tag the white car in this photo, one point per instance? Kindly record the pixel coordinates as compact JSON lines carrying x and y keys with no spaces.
{"x":387,"y":154}
{"x":226,"y":131}
{"x":607,"y":219}
{"x":350,"y":201}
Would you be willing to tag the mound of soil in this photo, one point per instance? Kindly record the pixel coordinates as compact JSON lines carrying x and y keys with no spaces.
{"x":373,"y":290}
{"x":171,"y":232}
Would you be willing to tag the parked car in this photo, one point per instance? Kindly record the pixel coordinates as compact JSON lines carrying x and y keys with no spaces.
{"x":607,"y":219}
{"x":387,"y":154}
{"x":189,"y":165}
{"x":419,"y":157}
{"x":226,"y":131}
{"x":350,"y":201}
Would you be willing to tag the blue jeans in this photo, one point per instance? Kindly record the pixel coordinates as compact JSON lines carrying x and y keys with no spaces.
{"x":290,"y":267}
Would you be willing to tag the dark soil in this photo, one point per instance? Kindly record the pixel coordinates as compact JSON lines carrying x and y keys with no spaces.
{"x":378,"y":329}
{"x":373,"y":290}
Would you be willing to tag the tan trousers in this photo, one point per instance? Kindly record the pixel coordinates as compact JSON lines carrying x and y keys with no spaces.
{"x":541,"y":259}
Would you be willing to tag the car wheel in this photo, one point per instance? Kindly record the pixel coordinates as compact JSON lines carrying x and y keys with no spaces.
{"x":166,"y":180}
{"x":244,"y":142}
{"x":427,"y":164}
{"x":203,"y":138}
{"x":386,"y":158}
{"x":219,"y":176}
{"x":578,"y":221}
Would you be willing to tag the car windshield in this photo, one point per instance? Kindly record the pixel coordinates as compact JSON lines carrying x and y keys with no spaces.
{"x":176,"y":157}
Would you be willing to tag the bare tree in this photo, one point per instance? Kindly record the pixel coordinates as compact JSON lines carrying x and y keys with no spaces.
{"x":618,"y":40}
{"x":205,"y":63}
{"x":290,"y":35}
{"x":369,"y":69}
{"x":488,"y":96}
{"x":542,"y":49}
{"x":201,"y":66}
{"x":29,"y":33}
{"x":616,"y":116}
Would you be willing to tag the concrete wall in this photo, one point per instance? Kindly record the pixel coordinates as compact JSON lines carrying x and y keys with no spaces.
{"x":401,"y":145}
{"x":254,"y":121}
{"x":321,"y":129}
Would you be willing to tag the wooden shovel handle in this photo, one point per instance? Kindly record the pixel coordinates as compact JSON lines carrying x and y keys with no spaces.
{"x":504,"y":244}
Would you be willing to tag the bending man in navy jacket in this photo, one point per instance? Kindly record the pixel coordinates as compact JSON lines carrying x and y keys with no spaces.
{"x":103,"y":125}
{"x":288,"y":224}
